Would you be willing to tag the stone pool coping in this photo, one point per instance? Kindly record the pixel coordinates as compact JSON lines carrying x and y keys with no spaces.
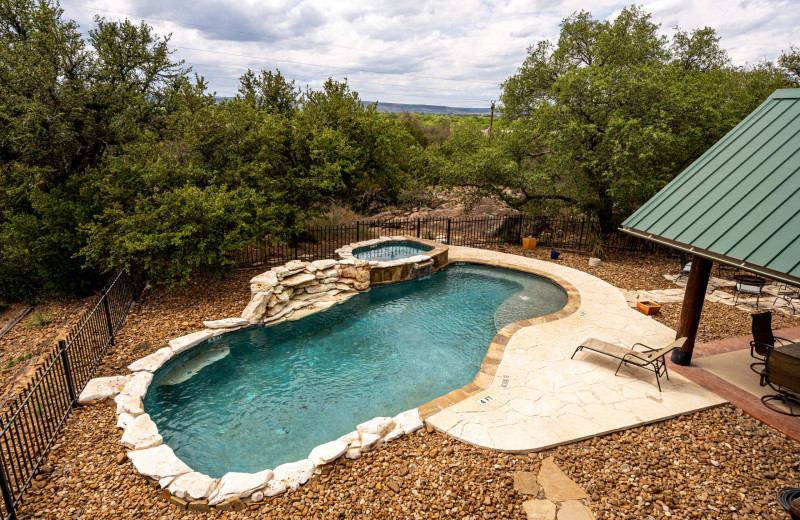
{"x":533,"y":396}
{"x":403,"y":269}
{"x":494,"y":355}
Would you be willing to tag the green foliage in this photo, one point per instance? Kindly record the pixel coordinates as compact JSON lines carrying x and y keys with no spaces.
{"x":39,"y":319}
{"x":111,"y":156}
{"x":603,"y":118}
{"x":790,"y":61}
{"x":17,"y":360}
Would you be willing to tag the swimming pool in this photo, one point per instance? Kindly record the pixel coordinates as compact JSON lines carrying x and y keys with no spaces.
{"x":389,"y":251}
{"x":263,"y":396}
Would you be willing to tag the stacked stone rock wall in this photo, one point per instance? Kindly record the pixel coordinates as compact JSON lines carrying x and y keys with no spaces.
{"x":308,"y":286}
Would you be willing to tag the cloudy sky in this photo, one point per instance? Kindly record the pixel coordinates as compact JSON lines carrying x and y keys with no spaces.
{"x":436,"y":52}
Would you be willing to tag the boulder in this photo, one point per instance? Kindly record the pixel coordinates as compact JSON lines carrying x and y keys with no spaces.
{"x":369,"y":442}
{"x":152,"y":362}
{"x":137,"y":384}
{"x":102,"y":388}
{"x":298,"y":279}
{"x":124,"y":420}
{"x":409,"y":420}
{"x":293,"y":474}
{"x":265,"y":280}
{"x":379,"y":426}
{"x":396,"y":432}
{"x":323,"y":265}
{"x":322,"y":287}
{"x":238,"y":485}
{"x":193,"y":486}
{"x":188,"y":341}
{"x":359,"y":286}
{"x":158,"y":463}
{"x":141,"y":434}
{"x":129,"y":404}
{"x":227,"y":323}
{"x":254,"y":312}
{"x":349,"y":437}
{"x":328,"y":452}
{"x":293,"y":265}
{"x":274,"y":487}
{"x":353,"y":453}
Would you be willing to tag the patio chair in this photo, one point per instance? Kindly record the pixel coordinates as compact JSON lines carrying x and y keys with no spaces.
{"x":788,"y":293}
{"x":746,"y":284}
{"x":763,"y":339}
{"x":649,"y":358}
{"x":782,"y":374}
{"x":686,"y":265}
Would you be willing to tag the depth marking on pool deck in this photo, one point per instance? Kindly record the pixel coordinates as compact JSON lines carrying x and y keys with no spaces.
{"x":485,"y":400}
{"x":504,"y":383}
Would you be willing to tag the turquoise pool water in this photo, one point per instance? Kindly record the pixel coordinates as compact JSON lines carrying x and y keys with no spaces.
{"x":262,"y":396}
{"x":388,"y":251}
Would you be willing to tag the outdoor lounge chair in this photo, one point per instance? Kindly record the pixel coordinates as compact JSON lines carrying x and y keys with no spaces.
{"x":763,"y":339}
{"x":649,"y":358}
{"x":782,"y":374}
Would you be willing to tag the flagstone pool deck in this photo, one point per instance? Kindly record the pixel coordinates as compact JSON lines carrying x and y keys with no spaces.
{"x":530,"y":395}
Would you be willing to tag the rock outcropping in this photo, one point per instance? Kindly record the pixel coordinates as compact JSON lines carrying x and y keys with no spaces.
{"x":299,"y":288}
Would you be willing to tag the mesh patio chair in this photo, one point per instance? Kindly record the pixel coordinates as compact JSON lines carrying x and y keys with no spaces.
{"x":649,"y":358}
{"x":788,"y":293}
{"x":746,"y":284}
{"x":763,"y":339}
{"x":686,"y":265}
{"x":782,"y":374}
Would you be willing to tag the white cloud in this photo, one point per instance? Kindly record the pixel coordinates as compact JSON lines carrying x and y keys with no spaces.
{"x":476,"y":43}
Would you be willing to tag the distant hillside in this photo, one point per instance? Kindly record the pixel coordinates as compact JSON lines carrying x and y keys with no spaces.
{"x":429,"y":109}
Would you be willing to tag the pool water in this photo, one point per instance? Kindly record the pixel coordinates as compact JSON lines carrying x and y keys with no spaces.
{"x":388,"y":251}
{"x":263,"y":396}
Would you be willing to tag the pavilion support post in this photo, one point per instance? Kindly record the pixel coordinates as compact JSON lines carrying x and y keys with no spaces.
{"x":692,"y":307}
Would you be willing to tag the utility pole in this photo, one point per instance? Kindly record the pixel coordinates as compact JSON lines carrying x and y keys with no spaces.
{"x":491,"y":121}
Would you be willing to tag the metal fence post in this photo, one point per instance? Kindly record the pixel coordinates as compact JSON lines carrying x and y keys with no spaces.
{"x":358,"y":231}
{"x":108,"y":318}
{"x":580,"y":239}
{"x":448,"y":229}
{"x":519,"y":231}
{"x":6,"y":491}
{"x":418,"y":228}
{"x":62,"y":346}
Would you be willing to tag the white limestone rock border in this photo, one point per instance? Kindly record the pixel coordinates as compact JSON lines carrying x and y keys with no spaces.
{"x":157,"y":461}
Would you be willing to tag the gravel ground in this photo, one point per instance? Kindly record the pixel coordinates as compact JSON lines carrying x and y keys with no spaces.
{"x":720,"y":321}
{"x":719,"y":463}
{"x":22,"y":347}
{"x":714,"y":464}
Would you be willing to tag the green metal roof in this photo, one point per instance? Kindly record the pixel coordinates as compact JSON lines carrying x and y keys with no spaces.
{"x":739,"y":203}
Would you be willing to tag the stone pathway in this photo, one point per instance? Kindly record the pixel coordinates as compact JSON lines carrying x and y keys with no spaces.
{"x":553,"y":495}
{"x":539,"y":397}
{"x":769,"y":300}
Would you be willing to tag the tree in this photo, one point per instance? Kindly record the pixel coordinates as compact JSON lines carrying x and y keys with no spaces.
{"x":790,"y":61}
{"x":269,"y":91}
{"x":613,"y":110}
{"x":63,"y":107}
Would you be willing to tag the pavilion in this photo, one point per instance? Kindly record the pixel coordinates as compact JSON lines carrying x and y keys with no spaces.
{"x":738,"y":205}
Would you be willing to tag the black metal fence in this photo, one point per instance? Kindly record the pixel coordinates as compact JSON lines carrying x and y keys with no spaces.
{"x":321,"y":242}
{"x":33,"y":418}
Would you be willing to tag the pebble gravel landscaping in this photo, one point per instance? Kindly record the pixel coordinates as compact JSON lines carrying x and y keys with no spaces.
{"x":718,"y":463}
